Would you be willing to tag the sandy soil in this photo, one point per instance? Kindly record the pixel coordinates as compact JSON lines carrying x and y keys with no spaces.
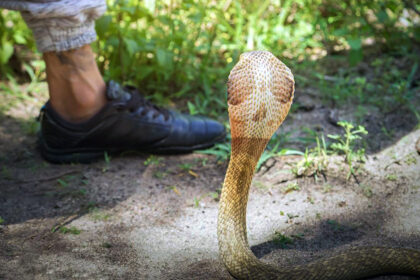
{"x":158,"y":221}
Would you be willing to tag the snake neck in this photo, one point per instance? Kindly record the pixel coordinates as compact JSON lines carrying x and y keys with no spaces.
{"x":231,"y":229}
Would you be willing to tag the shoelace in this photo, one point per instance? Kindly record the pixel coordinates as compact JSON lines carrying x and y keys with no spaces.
{"x":137,"y":100}
{"x":133,"y":100}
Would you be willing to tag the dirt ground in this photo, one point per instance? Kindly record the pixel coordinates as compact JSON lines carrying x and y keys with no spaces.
{"x":130,"y":220}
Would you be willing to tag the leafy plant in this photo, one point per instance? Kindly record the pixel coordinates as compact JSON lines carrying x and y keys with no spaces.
{"x":13,"y":35}
{"x":153,"y":160}
{"x":185,"y":166}
{"x":185,"y":49}
{"x":345,"y":144}
{"x":314,"y":161}
{"x":273,"y":149}
{"x":282,"y":240}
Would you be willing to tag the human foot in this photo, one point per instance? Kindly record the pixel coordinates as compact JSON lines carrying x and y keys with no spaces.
{"x":126,"y":122}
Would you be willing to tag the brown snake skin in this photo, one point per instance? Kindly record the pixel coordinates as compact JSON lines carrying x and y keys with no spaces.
{"x":260,"y":92}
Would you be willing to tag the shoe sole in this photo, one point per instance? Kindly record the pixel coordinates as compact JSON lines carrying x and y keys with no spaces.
{"x":90,"y":155}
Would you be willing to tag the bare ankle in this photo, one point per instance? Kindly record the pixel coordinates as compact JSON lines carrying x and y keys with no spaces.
{"x":77,"y":90}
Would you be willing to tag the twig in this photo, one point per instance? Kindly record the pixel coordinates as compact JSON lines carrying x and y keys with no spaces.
{"x":66,"y":221}
{"x":355,"y":178}
{"x":57,"y":176}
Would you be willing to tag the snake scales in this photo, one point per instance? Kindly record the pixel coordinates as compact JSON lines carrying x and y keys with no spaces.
{"x":260,"y":93}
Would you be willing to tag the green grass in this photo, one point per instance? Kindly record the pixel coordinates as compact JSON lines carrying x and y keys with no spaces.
{"x":327,"y":188}
{"x":367,"y":190}
{"x":185,"y":166}
{"x":153,"y":160}
{"x":315,"y":161}
{"x":282,"y":240}
{"x":99,"y":215}
{"x":158,"y":174}
{"x":69,"y":230}
{"x":184,"y":50}
{"x":222,"y":151}
{"x":291,"y":187}
{"x":391,"y":177}
{"x":334,"y":225}
{"x":180,"y":54}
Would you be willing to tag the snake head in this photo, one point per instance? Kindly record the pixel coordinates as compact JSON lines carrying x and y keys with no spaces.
{"x":260,"y":93}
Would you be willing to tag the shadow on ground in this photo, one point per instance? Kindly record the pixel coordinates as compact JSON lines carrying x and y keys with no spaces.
{"x":155,"y":218}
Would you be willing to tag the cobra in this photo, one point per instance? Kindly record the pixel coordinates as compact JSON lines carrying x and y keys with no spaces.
{"x":260,"y":93}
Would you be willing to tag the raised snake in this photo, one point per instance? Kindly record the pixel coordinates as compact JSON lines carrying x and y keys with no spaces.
{"x":260,"y":93}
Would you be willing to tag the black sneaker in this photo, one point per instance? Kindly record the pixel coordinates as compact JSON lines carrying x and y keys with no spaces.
{"x":127,"y":122}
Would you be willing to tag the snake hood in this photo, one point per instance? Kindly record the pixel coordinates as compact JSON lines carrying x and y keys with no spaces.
{"x":260,"y":92}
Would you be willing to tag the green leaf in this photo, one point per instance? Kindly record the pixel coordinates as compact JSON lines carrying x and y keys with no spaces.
{"x":340,"y":32}
{"x":382,"y":16}
{"x":19,"y":38}
{"x":144,"y":71}
{"x":131,"y":46}
{"x":102,"y":25}
{"x":355,"y":43}
{"x":333,"y":136}
{"x":62,"y":183}
{"x":30,"y":72}
{"x":287,"y":152}
{"x":191,"y":108}
{"x":164,"y":58}
{"x":6,"y":52}
{"x":355,"y":56}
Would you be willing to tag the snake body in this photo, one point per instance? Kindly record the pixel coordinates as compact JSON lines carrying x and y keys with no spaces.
{"x":260,"y":93}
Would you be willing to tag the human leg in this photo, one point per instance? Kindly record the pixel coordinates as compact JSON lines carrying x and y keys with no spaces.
{"x":63,"y":31}
{"x":77,"y":90}
{"x":84,"y":117}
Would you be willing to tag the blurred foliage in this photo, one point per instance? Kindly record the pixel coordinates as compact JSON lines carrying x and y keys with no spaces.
{"x":13,"y":35}
{"x":186,"y":48}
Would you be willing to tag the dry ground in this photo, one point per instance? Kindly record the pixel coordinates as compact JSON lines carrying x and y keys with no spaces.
{"x":158,"y":220}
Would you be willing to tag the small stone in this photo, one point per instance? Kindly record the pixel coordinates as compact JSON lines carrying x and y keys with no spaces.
{"x":305,"y":103}
{"x":332,"y":117}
